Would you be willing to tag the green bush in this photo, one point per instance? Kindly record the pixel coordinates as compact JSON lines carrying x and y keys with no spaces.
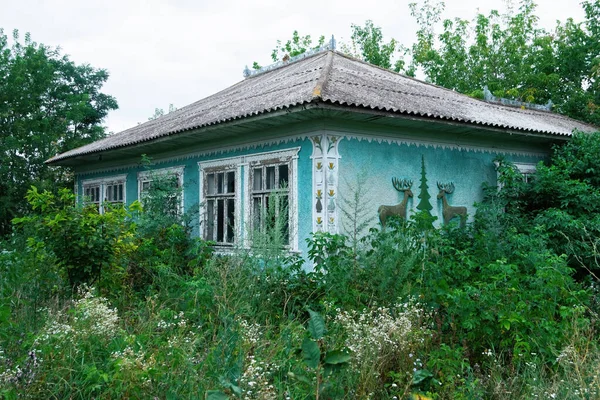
{"x":506,"y":307}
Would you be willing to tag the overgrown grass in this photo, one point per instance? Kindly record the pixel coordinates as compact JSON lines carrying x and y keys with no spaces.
{"x":494,"y":311}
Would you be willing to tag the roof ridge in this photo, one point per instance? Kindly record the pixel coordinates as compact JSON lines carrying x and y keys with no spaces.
{"x":316,"y":94}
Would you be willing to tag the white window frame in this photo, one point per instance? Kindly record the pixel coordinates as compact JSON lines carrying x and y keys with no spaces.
{"x":526,"y":169}
{"x":223,"y":165}
{"x":277,"y":157}
{"x":102,"y":184}
{"x":243,"y":193}
{"x":146,"y":176}
{"x":267,"y":190}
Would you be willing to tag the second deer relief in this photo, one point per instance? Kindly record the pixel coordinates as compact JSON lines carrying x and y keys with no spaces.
{"x":448,"y":211}
{"x":399,"y":209}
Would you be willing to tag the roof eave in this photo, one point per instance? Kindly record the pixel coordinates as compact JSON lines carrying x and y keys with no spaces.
{"x":316,"y":102}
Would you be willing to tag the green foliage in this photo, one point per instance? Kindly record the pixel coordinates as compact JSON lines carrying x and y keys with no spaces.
{"x":293,"y":47}
{"x":322,"y":366}
{"x":513,"y":56}
{"x":356,"y":216}
{"x":508,"y":53}
{"x":159,"y":112}
{"x":562,"y":199}
{"x":48,"y":105}
{"x":87,"y":244}
{"x":368,"y":42}
{"x":495,"y":310}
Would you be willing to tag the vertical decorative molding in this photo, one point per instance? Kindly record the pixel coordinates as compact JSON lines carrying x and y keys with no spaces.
{"x":242,"y":205}
{"x":325,"y":167}
{"x":200,"y":202}
{"x":295,"y":228}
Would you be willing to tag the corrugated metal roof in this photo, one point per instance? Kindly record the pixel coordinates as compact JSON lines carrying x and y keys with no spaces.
{"x":334,"y":78}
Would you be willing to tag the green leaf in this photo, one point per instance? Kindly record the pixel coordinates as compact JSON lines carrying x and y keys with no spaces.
{"x":311,"y":353}
{"x":300,"y":378}
{"x":330,"y":369}
{"x":420,"y":376}
{"x":216,"y":395}
{"x":337,"y":357}
{"x":4,"y":314}
{"x":316,"y":325}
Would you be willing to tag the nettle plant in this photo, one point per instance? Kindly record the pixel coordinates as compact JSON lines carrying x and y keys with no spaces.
{"x":320,"y":365}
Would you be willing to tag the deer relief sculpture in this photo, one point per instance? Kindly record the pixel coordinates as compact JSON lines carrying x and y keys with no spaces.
{"x":448,"y":211}
{"x":385,"y":212}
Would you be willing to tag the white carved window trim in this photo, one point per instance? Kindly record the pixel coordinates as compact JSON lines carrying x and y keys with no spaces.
{"x":207,"y":168}
{"x":145,"y":178}
{"x":242,"y":165}
{"x":526,"y":169}
{"x":223,"y":165}
{"x":101,"y":185}
{"x":273,"y":158}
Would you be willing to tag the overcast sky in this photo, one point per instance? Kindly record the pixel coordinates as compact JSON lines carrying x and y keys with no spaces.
{"x":160,"y":52}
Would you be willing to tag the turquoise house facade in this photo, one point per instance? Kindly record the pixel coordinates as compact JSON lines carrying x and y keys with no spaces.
{"x":318,"y":141}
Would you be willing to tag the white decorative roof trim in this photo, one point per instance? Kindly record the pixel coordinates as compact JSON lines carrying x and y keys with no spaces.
{"x":104,"y":180}
{"x":526,"y":168}
{"x":442,"y":145}
{"x":304,"y":136}
{"x":161,"y":172}
{"x":268,"y":155}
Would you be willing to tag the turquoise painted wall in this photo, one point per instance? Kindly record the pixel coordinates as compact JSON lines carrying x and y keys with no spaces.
{"x":192,"y":185}
{"x":377,"y":160}
{"x":380,"y":161}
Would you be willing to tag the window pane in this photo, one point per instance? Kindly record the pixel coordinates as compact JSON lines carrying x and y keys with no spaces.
{"x":283,"y":176}
{"x":97,"y":196}
{"x":120,"y":197}
{"x":220,"y":179}
{"x":210,"y":220}
{"x":283,"y":204}
{"x":231,"y":182}
{"x":220,"y":219}
{"x":109,"y":193}
{"x":230,"y":219}
{"x":284,"y":214}
{"x":270,"y":178}
{"x":256,"y":211}
{"x":257,"y":179}
{"x":210,"y":183}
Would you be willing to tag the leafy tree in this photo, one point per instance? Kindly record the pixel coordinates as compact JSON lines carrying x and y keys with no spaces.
{"x":513,"y":56}
{"x":87,"y":245}
{"x":367,"y":44}
{"x":562,"y":201}
{"x":48,"y":105}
